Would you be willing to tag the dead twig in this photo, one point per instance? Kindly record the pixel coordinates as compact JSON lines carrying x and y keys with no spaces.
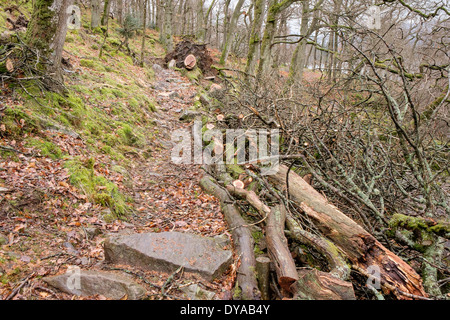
{"x":17,"y":289}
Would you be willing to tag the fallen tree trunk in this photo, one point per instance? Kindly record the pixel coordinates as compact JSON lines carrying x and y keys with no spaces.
{"x":278,"y":249}
{"x":309,"y":284}
{"x":359,"y":246}
{"x":276,"y":241}
{"x":317,"y":285}
{"x":242,"y":238}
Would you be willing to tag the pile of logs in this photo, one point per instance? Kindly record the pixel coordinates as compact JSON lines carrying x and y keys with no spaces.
{"x":343,"y":243}
{"x":189,"y":55}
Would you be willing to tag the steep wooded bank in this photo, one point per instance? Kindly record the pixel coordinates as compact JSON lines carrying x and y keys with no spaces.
{"x":353,"y":111}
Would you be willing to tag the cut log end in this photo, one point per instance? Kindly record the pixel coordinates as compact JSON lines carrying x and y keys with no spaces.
{"x":238,"y":184}
{"x":190,"y":61}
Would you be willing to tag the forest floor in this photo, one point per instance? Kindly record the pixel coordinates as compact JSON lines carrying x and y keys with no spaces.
{"x":63,"y":186}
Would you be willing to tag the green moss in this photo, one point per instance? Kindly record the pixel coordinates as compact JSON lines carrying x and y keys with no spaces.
{"x":114,"y":42}
{"x":127,"y":136}
{"x":92,"y":64}
{"x":99,"y":189}
{"x":150,"y":73}
{"x":47,"y":148}
{"x":128,"y":59}
{"x":69,"y":38}
{"x":18,"y":121}
{"x":235,"y":170}
{"x":237,"y":294}
{"x":193,"y":75}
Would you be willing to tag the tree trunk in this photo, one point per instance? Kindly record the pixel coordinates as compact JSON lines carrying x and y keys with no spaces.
{"x":106,"y":10}
{"x":255,"y":37}
{"x":200,"y":34}
{"x":278,"y":249}
{"x":46,"y":32}
{"x":360,"y":247}
{"x":299,"y":57}
{"x":120,"y":11}
{"x":243,"y":241}
{"x":166,"y":36}
{"x":95,"y":13}
{"x":230,"y":32}
{"x":144,"y":29}
{"x":275,"y":8}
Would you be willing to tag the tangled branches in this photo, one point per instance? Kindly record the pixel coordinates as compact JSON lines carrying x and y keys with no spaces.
{"x":21,"y":64}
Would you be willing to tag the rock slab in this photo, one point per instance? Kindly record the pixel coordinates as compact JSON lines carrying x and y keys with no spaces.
{"x":90,"y":282}
{"x":167,"y":251}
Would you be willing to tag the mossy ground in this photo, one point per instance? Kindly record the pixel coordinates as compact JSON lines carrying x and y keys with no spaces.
{"x":108,"y":103}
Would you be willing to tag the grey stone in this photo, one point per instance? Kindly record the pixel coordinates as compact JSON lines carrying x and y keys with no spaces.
{"x":195,"y":292}
{"x":92,"y":232}
{"x":89,"y":282}
{"x":222,"y":240}
{"x":157,"y":68}
{"x":189,"y":115}
{"x":167,"y":251}
{"x":174,"y":94}
{"x":70,"y":248}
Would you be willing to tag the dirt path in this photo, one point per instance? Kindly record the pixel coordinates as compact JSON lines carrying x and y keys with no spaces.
{"x":167,"y":195}
{"x":46,"y":224}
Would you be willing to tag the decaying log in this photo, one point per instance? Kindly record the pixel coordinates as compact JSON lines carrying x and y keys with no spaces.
{"x":336,"y":261}
{"x":276,"y":241}
{"x":242,"y":237}
{"x":262,"y":274}
{"x":278,"y":249}
{"x":317,"y":285}
{"x":359,"y":246}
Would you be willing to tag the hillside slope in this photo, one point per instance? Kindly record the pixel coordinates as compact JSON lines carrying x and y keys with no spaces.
{"x":95,"y":161}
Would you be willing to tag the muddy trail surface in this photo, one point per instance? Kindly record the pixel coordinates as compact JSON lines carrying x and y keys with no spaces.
{"x":47,"y":225}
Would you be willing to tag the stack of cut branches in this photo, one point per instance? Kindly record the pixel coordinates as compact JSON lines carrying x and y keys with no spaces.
{"x":19,"y":63}
{"x":297,"y":210}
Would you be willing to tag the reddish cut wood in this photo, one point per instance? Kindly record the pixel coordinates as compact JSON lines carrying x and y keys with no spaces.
{"x":190,"y":61}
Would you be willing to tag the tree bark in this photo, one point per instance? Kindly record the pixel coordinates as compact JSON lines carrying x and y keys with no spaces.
{"x":275,"y":8}
{"x":243,"y":241}
{"x":166,"y":36}
{"x":106,"y":10}
{"x":230,"y":32}
{"x":144,"y":29}
{"x":360,"y":247}
{"x":318,"y":285}
{"x":46,"y":32}
{"x":262,"y":274}
{"x":95,"y":13}
{"x":276,"y":241}
{"x":278,"y":249}
{"x":255,"y":37}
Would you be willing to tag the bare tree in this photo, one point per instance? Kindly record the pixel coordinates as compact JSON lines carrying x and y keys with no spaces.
{"x":46,"y":33}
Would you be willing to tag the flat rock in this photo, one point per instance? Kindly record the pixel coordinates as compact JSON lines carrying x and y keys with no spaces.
{"x":167,"y":251}
{"x":189,"y":115}
{"x":157,"y":68}
{"x":89,"y":282}
{"x":195,"y":292}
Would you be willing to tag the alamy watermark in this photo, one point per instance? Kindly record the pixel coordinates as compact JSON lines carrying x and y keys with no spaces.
{"x":373,"y":20}
{"x":73,"y":281}
{"x":374,"y":278}
{"x":74,"y":19}
{"x":231,"y":146}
